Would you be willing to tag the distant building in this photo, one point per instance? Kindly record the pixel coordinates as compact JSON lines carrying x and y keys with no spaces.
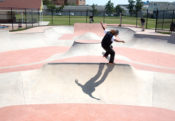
{"x":21,"y":4}
{"x":161,"y":6}
{"x":9,"y":8}
{"x":69,"y":2}
{"x":81,"y":10}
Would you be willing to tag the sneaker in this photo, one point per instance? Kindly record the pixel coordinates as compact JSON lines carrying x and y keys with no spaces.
{"x":110,"y":63}
{"x":105,"y":57}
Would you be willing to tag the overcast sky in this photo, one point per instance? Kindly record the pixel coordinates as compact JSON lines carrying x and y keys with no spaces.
{"x":103,"y":2}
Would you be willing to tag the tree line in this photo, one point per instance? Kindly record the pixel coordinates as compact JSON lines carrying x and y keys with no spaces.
{"x":134,"y":6}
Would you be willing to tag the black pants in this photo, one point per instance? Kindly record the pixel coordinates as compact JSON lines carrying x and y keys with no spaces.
{"x":110,"y":51}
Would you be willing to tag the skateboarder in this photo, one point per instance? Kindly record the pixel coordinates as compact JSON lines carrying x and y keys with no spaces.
{"x":142,"y":20}
{"x":108,"y":39}
{"x":91,"y":19}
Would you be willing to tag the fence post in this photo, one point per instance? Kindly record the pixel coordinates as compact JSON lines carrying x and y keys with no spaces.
{"x":136,"y":19}
{"x":157,"y":13}
{"x":26,"y":17}
{"x":12,"y":18}
{"x":104,"y":16}
{"x":120,"y":19}
{"x":69,"y":17}
{"x":38,"y":17}
{"x":32,"y":17}
{"x":163,"y":19}
{"x":86,"y":15}
{"x":52,"y":15}
{"x":172,"y":21}
{"x":147,"y":20}
{"x":173,"y":17}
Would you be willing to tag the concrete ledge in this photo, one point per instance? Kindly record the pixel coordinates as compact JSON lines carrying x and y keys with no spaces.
{"x":172,"y":38}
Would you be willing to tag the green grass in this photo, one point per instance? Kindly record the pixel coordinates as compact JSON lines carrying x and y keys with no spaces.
{"x":151,"y":23}
{"x":165,"y":32}
{"x":65,"y":20}
{"x":165,"y":24}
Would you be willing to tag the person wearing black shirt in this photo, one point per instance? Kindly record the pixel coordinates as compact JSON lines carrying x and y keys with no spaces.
{"x":142,"y":20}
{"x":108,"y":39}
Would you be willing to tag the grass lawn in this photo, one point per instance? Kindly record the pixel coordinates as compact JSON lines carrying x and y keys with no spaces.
{"x":65,"y":20}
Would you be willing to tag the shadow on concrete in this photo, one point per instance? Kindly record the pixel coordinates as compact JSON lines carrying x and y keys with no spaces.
{"x":152,"y":36}
{"x":89,"y":87}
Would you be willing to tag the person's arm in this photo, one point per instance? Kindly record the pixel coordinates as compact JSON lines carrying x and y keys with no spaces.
{"x":102,"y":25}
{"x":118,"y":40}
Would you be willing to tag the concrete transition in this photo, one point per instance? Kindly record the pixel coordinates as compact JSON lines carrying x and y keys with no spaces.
{"x":59,"y":74}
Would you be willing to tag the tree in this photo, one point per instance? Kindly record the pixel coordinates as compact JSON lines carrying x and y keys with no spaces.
{"x":94,"y":10}
{"x":109,"y":7}
{"x":139,"y":5}
{"x":118,"y":10}
{"x":50,"y":4}
{"x":46,"y":2}
{"x":131,"y":7}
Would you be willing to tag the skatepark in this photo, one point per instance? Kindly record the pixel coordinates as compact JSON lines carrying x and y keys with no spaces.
{"x":58,"y":73}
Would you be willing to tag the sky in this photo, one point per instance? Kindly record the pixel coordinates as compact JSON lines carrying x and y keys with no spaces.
{"x":103,"y":2}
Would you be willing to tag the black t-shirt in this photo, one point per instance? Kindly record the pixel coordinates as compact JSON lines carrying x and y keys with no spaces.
{"x":106,"y":42}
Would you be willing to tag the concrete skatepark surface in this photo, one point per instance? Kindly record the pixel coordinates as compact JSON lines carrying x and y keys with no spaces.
{"x":58,"y":73}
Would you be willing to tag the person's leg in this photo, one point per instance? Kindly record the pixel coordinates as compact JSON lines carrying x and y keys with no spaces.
{"x":142,"y":26}
{"x":112,"y":54}
{"x":106,"y":54}
{"x":106,"y":49}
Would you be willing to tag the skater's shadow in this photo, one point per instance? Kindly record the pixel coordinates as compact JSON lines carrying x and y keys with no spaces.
{"x":89,"y":87}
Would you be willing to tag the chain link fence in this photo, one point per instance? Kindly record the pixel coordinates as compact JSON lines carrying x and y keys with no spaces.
{"x":69,"y":17}
{"x":16,"y":19}
{"x":165,"y":21}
